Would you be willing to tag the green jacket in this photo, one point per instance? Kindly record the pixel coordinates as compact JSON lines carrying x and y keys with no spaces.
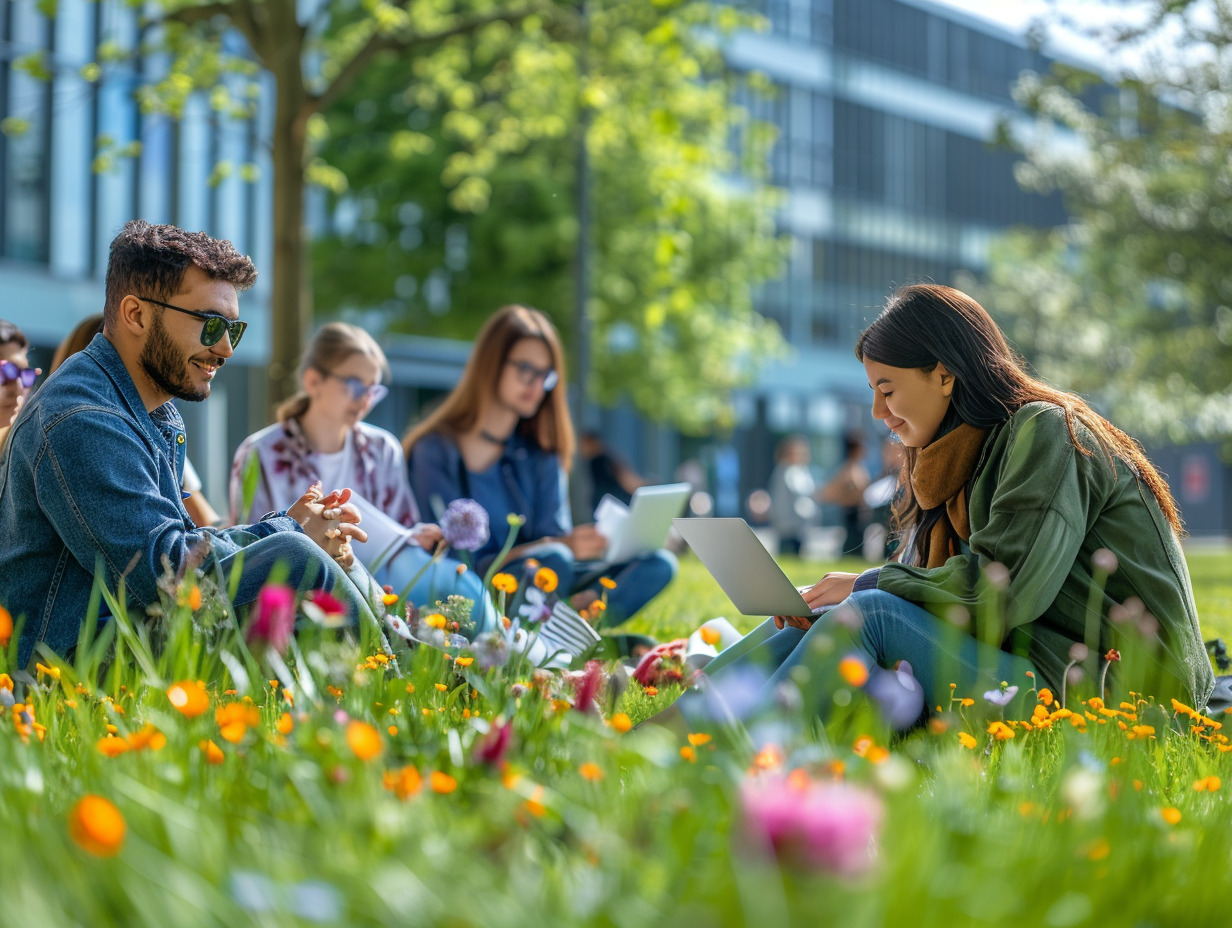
{"x":1042,"y":509}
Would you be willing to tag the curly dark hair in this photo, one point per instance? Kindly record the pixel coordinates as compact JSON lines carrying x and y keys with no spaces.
{"x":150,"y":260}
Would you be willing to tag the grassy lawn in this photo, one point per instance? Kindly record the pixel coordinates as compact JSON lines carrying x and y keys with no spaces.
{"x":695,"y":597}
{"x":213,"y":783}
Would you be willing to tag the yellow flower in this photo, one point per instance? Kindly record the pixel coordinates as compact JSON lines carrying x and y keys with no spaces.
{"x":6,"y":627}
{"x":609,"y":584}
{"x":853,"y":671}
{"x":363,"y":740}
{"x":97,"y":826}
{"x":769,"y":758}
{"x":710,"y":635}
{"x":505,"y":583}
{"x":442,"y":783}
{"x":697,"y":739}
{"x":285,"y":724}
{"x":441,"y":686}
{"x":689,"y":754}
{"x":464,"y":661}
{"x":546,"y":580}
{"x":1207,"y":784}
{"x":435,"y":620}
{"x":1045,"y":697}
{"x":111,"y":746}
{"x":53,"y":672}
{"x":6,"y":682}
{"x":1171,"y":814}
{"x":189,"y":697}
{"x":621,"y":722}
{"x":966,"y":740}
{"x":1099,"y":850}
{"x":591,"y":771}
{"x":213,"y":753}
{"x":234,"y":719}
{"x":534,"y":805}
{"x":389,"y":599}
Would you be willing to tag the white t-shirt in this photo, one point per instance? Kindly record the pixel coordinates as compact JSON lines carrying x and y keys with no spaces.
{"x":336,"y":469}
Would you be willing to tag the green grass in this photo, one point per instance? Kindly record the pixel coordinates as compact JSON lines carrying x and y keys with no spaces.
{"x":582,"y":825}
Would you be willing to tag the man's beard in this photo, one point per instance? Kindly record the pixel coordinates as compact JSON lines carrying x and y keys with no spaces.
{"x":164,"y":364}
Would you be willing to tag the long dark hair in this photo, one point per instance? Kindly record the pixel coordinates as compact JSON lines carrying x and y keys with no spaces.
{"x":926,"y":324}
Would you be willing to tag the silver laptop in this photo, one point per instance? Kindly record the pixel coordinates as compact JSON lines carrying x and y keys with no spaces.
{"x":745,"y":570}
{"x":645,"y":524}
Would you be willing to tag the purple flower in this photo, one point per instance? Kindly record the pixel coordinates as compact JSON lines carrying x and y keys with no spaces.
{"x":273,"y":617}
{"x":1001,"y":697}
{"x":464,"y":525}
{"x":829,"y":826}
{"x":898,"y":694}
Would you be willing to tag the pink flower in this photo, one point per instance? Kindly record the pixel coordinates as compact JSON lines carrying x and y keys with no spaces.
{"x":664,"y":663}
{"x":493,"y":746}
{"x":823,"y":825}
{"x":587,"y":685}
{"x":273,"y":617}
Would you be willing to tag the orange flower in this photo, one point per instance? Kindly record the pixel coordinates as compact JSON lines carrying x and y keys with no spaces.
{"x":435,"y":620}
{"x":1171,"y":814}
{"x":6,"y":627}
{"x":213,"y":753}
{"x":189,"y":697}
{"x":710,"y":635}
{"x":1045,"y":697}
{"x":621,"y":722}
{"x":534,"y":805}
{"x":697,"y":739}
{"x":651,"y":691}
{"x":389,"y":598}
{"x":363,"y":740}
{"x":853,"y":671}
{"x":441,"y":686}
{"x":285,"y":724}
{"x":403,"y":783}
{"x":689,"y":754}
{"x":546,"y":580}
{"x":234,"y":719}
{"x":591,"y":771}
{"x":6,"y":682}
{"x":111,"y":746}
{"x":966,"y":740}
{"x":769,"y":758}
{"x":609,"y":584}
{"x":1207,"y":784}
{"x":1001,"y":731}
{"x":442,"y":783}
{"x":464,"y":661}
{"x":505,"y":583}
{"x":194,"y":598}
{"x":96,"y":826}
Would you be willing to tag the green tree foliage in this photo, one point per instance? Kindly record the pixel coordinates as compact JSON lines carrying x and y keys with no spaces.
{"x":1147,"y":269}
{"x":464,"y":171}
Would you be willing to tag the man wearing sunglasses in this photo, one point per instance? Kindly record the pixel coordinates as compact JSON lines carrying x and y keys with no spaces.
{"x":16,"y":375}
{"x":91,"y":475}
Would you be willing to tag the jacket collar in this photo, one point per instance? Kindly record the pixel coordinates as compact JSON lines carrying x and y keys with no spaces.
{"x":108,"y":359}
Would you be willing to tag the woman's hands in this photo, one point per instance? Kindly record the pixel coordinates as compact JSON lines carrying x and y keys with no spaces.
{"x":428,"y":535}
{"x":329,"y":521}
{"x":586,"y":543}
{"x":830,"y":590}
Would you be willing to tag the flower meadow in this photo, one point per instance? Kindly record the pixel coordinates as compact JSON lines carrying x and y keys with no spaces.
{"x":185,"y":771}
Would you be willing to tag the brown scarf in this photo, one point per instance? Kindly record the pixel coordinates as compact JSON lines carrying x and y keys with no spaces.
{"x":942,"y":471}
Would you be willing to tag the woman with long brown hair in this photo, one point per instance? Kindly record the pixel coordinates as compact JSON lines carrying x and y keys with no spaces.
{"x":1028,"y":518}
{"x":504,"y":438}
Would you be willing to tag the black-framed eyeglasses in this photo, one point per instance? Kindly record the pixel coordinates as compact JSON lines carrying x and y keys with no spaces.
{"x":10,"y":372}
{"x":529,"y":374}
{"x":216,"y":324}
{"x":359,"y":390}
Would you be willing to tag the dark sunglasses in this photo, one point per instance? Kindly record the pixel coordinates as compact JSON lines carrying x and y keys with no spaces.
{"x":528,"y":374}
{"x":216,"y":324}
{"x":359,"y":390}
{"x":10,"y":372}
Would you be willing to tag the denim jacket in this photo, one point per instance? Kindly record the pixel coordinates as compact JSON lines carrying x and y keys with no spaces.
{"x":89,"y":478}
{"x":532,"y":484}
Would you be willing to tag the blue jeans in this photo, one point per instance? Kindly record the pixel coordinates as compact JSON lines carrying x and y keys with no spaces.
{"x":638,"y":581}
{"x":437,"y":582}
{"x":304,"y":566}
{"x":884,"y":629}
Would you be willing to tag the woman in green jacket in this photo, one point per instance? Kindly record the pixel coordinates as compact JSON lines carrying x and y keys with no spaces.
{"x":1038,"y":538}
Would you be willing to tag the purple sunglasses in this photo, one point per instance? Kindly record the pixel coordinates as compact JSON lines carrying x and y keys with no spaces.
{"x":24,"y":375}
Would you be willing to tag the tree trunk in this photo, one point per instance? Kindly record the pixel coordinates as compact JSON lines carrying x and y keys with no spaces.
{"x":290,"y":303}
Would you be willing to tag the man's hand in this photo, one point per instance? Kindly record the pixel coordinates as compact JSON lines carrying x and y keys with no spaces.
{"x":329,"y":521}
{"x":586,"y":542}
{"x":830,"y":590}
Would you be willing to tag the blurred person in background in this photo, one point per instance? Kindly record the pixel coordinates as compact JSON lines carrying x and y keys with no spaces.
{"x":846,"y":490}
{"x":792,"y":487}
{"x":16,"y":375}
